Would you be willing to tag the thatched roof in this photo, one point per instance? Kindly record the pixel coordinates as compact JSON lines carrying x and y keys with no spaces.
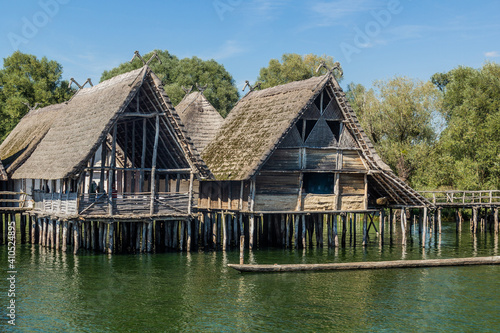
{"x":86,"y":121}
{"x":3,"y":174}
{"x":201,"y":120}
{"x":255,"y":126}
{"x":262,"y":119}
{"x":28,"y":133}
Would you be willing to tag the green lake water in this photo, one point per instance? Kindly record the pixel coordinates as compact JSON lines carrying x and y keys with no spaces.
{"x":197,"y":292}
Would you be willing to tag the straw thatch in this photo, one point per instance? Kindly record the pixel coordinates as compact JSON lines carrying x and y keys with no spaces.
{"x":255,"y":126}
{"x":262,"y":120}
{"x":28,"y":133}
{"x":201,"y":120}
{"x":3,"y":174}
{"x":86,"y":121}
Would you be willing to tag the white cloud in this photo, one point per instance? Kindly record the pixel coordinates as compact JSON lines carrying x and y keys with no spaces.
{"x":332,"y":12}
{"x":492,"y":54}
{"x":229,"y":49}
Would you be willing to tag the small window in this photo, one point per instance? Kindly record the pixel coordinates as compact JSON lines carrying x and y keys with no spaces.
{"x":319,"y":183}
{"x":326,"y":101}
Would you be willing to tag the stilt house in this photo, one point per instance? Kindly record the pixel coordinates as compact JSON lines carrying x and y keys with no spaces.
{"x":200,"y":119}
{"x":298,"y":147}
{"x":115,"y":151}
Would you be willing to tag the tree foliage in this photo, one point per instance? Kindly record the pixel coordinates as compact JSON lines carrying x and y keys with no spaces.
{"x":26,"y":79}
{"x":175,"y":73}
{"x":398,"y":120}
{"x":468,"y":153}
{"x":293,"y":67}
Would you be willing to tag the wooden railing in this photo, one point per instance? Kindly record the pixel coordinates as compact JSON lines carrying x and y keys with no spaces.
{"x":463,"y":198}
{"x":134,"y":204}
{"x":98,"y":204}
{"x":10,"y":200}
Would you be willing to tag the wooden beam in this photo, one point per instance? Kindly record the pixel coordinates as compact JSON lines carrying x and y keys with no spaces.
{"x":143,"y":156}
{"x":112,"y":172}
{"x":143,"y":115}
{"x":153,"y":166}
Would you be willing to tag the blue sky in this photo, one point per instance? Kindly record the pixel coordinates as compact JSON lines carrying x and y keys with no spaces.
{"x":372,"y":39}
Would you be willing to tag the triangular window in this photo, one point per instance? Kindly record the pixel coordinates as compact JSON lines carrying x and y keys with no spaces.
{"x":335,"y":128}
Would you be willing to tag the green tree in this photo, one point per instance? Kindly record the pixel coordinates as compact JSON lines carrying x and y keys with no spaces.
{"x":398,"y":119}
{"x":293,"y":67}
{"x":221,"y":90}
{"x":26,"y":79}
{"x":468,"y":156}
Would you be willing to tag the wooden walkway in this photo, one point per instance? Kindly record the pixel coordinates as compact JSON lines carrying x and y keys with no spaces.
{"x":463,"y":199}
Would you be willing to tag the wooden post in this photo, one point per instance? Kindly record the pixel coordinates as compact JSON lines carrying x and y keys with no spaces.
{"x":174,"y":234}
{"x":143,"y":156}
{"x":213,"y":221}
{"x":105,"y":237}
{"x":64,"y":236}
{"x":365,"y":231}
{"x":23,"y":228}
{"x":381,"y":226}
{"x":58,"y":231}
{"x":344,"y":228}
{"x":153,"y":172}
{"x":181,"y":236}
{"x":224,"y":232}
{"x":111,"y":237}
{"x":474,"y":219}
{"x":495,"y":218}
{"x":111,"y":173}
{"x":242,"y":249}
{"x":251,"y":228}
{"x":190,"y":221}
{"x":403,"y":226}
{"x":303,"y":231}
{"x":335,"y":236}
{"x":439,"y":220}
{"x":144,"y":236}
{"x":76,"y":237}
{"x":296,"y":219}
{"x":424,"y":228}
{"x":150,"y":236}
{"x":33,"y":230}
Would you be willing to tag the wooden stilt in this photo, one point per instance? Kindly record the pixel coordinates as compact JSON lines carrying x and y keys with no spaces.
{"x":33,"y":230}
{"x":474,"y":220}
{"x":22,"y":226}
{"x":76,"y":237}
{"x":175,"y":233}
{"x":144,"y":236}
{"x":105,"y":237}
{"x":64,"y":236}
{"x":242,"y":249}
{"x":403,"y":226}
{"x":196,"y":236}
{"x":382,"y":226}
{"x":181,"y":236}
{"x":111,"y":237}
{"x":424,"y":228}
{"x":344,"y":229}
{"x":365,"y":230}
{"x":335,"y":231}
{"x":354,"y":222}
{"x":150,"y":236}
{"x":101,"y":236}
{"x":303,"y":231}
{"x":58,"y":232}
{"x":138,"y":234}
{"x":188,"y":238}
{"x":439,"y":220}
{"x":251,"y":228}
{"x":296,"y":220}
{"x":224,"y":231}
{"x":495,"y":219}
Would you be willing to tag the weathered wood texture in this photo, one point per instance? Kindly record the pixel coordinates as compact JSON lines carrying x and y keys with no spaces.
{"x":495,"y":260}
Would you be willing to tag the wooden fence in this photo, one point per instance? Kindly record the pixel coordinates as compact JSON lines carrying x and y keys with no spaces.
{"x":14,"y":201}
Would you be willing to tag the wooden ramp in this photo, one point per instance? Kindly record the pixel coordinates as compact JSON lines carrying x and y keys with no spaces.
{"x":495,"y":260}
